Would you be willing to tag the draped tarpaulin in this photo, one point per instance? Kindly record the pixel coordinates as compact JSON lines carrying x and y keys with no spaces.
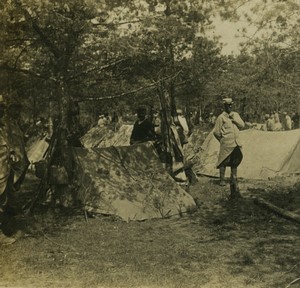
{"x":129,"y":182}
{"x":105,"y":137}
{"x":37,"y":150}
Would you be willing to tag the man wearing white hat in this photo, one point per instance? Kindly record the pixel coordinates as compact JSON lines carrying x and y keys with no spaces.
{"x":226,"y":131}
{"x":5,"y":150}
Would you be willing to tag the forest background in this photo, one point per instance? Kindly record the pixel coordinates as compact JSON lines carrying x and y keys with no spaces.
{"x":109,"y":56}
{"x":112,"y":55}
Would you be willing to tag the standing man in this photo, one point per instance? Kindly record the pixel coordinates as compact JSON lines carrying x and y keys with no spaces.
{"x":7,"y":159}
{"x":287,"y":122}
{"x":211,"y":119}
{"x":143,"y":129}
{"x":182,"y":127}
{"x":18,"y":143}
{"x":5,"y":162}
{"x":270,"y":123}
{"x":226,"y":131}
{"x":296,"y":120}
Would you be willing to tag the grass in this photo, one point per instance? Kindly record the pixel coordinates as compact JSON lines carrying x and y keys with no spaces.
{"x":221,"y":244}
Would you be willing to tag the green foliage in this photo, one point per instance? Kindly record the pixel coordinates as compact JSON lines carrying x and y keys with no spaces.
{"x":123,"y":51}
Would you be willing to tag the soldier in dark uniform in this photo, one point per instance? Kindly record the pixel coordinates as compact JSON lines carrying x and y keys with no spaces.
{"x":8,"y":158}
{"x":143,"y":129}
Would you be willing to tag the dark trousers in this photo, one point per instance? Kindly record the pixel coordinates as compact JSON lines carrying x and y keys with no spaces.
{"x":234,"y":159}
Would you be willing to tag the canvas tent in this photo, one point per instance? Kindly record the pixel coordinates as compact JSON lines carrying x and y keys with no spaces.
{"x":266,"y":154}
{"x":115,"y":178}
{"x":129,"y":182}
{"x":105,"y":137}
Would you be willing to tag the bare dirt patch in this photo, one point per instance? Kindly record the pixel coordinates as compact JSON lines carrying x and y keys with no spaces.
{"x":221,"y":244}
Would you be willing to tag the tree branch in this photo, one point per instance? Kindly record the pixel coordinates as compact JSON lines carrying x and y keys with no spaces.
{"x":153,"y":85}
{"x":117,"y":24}
{"x":118,"y":95}
{"x":6,"y":67}
{"x":21,"y":52}
{"x":98,"y":68}
{"x":38,"y":30}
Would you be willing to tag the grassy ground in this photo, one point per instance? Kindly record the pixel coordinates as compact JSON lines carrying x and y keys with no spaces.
{"x":221,"y":244}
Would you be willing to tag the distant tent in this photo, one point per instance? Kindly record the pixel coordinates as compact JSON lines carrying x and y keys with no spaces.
{"x":129,"y":182}
{"x":266,"y":154}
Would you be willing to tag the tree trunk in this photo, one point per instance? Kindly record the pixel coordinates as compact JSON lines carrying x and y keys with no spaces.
{"x":165,"y":129}
{"x":279,"y":211}
{"x":188,"y":114}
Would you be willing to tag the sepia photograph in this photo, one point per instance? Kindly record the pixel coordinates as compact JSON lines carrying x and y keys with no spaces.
{"x":150,"y":144}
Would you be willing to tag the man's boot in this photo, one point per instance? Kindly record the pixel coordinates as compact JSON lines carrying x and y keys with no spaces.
{"x":234,"y":186}
{"x":222,"y":176}
{"x":6,"y":240}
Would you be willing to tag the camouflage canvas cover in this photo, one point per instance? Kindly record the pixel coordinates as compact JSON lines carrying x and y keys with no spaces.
{"x":129,"y":182}
{"x":37,"y":149}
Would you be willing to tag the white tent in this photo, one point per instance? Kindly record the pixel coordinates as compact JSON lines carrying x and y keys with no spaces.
{"x":266,"y":154}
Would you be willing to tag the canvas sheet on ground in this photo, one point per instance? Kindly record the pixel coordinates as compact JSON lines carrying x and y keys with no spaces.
{"x":266,"y":154}
{"x":37,"y":149}
{"x":106,"y":137}
{"x":129,"y":182}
